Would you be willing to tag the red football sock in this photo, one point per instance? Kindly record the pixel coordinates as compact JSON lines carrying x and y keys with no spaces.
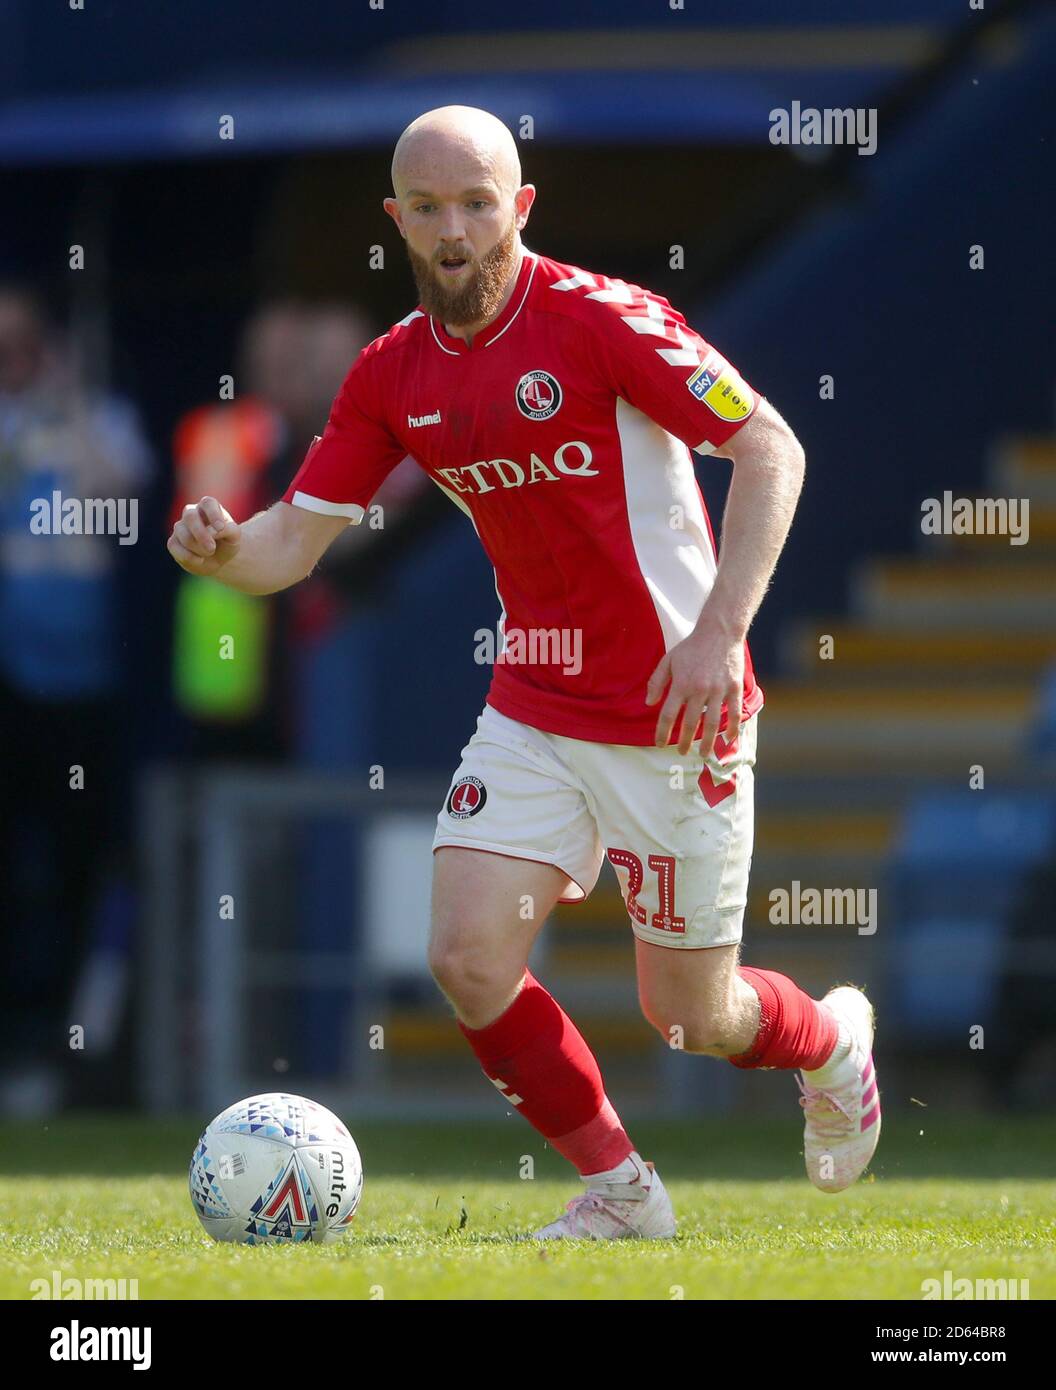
{"x":794,"y":1031}
{"x":538,"y":1059}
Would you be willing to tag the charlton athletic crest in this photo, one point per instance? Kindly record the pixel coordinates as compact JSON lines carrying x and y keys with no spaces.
{"x":538,"y":395}
{"x":467,"y":797}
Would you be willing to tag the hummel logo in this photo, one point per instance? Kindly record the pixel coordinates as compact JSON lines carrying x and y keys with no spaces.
{"x":507,"y":1091}
{"x":416,"y":421}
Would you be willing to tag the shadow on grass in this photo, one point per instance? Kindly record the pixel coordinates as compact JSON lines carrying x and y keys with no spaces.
{"x":914,"y":1145}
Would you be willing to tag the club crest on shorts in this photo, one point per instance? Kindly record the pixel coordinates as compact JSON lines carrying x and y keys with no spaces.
{"x":538,"y":395}
{"x":466,"y":798}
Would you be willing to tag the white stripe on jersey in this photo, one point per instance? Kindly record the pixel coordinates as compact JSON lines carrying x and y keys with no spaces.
{"x":352,"y":510}
{"x":655,"y":321}
{"x":658,"y":475}
{"x":575,"y":282}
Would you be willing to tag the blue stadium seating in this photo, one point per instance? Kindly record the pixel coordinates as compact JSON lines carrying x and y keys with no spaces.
{"x":956,"y":874}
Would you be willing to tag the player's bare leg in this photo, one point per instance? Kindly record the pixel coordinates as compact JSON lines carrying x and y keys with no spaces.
{"x":696,"y":999}
{"x":487,"y":911}
{"x":704,"y":1001}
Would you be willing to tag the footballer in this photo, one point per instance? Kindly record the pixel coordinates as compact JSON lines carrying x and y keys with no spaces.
{"x":560,"y":409}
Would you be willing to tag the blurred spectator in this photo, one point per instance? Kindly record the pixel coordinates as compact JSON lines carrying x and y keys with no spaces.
{"x":292,"y":361}
{"x":60,"y":676}
{"x":230,"y":450}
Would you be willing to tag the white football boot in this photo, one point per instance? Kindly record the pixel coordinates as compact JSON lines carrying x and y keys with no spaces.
{"x":843,"y":1113}
{"x":617,"y":1211}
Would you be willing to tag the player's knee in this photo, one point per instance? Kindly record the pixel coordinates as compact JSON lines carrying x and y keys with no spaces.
{"x":697,"y":1030}
{"x":446,"y":965}
{"x":468,"y":974}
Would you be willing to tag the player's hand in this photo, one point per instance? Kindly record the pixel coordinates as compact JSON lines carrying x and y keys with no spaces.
{"x":205,"y":538}
{"x":700,"y":674}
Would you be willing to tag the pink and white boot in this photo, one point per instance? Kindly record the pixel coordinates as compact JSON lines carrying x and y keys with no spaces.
{"x":840,"y":1101}
{"x":636,"y":1208}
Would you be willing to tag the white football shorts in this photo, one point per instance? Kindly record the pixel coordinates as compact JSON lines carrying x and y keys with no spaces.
{"x":677,"y":829}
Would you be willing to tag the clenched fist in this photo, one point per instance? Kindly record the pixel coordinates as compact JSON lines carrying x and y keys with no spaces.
{"x":205,"y":538}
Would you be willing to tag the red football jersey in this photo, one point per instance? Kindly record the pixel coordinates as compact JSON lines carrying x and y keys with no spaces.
{"x":564,"y":432}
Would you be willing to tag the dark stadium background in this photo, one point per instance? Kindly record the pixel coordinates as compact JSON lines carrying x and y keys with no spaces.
{"x":651,"y":129}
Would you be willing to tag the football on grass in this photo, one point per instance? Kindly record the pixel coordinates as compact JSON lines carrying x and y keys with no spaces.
{"x":275,"y":1168}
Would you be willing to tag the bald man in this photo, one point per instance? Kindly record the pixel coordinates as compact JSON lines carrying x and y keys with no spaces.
{"x":559,"y":409}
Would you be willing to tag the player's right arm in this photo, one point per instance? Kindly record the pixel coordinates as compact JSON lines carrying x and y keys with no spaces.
{"x":340,"y":474}
{"x":271,"y":551}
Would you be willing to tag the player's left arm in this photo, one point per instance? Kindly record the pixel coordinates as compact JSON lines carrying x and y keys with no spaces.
{"x":706,"y":669}
{"x":648,"y":355}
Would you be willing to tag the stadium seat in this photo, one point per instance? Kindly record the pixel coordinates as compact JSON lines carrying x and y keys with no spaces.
{"x":959,"y":866}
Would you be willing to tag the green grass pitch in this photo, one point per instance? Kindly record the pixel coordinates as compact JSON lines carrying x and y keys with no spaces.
{"x":97,"y":1197}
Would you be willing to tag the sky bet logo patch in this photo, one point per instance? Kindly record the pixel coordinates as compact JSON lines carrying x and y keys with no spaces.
{"x":722,"y":390}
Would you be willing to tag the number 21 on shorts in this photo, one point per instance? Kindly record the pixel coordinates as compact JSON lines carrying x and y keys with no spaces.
{"x":663,"y":865}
